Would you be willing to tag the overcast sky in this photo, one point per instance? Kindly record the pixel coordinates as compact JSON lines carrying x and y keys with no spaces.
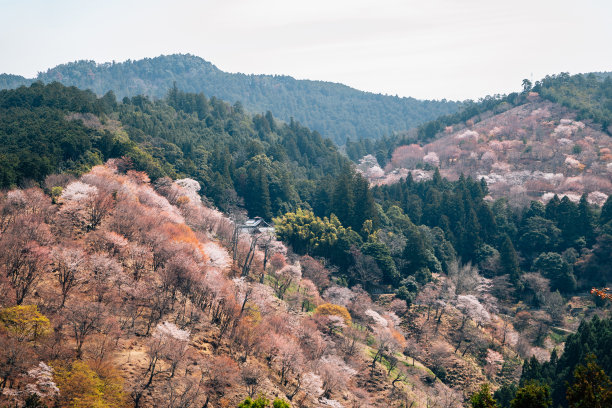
{"x":426,"y":49}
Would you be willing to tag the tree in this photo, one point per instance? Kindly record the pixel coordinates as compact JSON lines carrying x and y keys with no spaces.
{"x":315,"y":271}
{"x":532,"y":395}
{"x":260,"y":402}
{"x":24,"y":254}
{"x":84,"y":319}
{"x":508,"y":259}
{"x":328,"y":309}
{"x":288,"y":356}
{"x":553,"y":266}
{"x":591,"y":387}
{"x":69,"y":264}
{"x":220,"y":373}
{"x":526,"y":85}
{"x":284,"y":278}
{"x":483,"y":398}
{"x":80,"y":387}
{"x":168,"y":342}
{"x":251,"y":377}
{"x":334,"y":373}
{"x":25,"y":323}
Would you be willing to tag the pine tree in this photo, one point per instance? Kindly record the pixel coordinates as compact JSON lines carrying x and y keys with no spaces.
{"x":606,"y":212}
{"x":343,"y":199}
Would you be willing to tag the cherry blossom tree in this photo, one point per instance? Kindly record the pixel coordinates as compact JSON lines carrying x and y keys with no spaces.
{"x":284,"y":278}
{"x":68,"y":265}
{"x":84,"y":319}
{"x":335,"y":374}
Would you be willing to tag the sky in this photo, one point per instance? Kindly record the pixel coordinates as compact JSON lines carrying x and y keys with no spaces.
{"x":429,"y":49}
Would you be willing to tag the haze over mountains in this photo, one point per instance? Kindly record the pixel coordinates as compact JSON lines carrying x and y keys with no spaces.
{"x":334,"y":110}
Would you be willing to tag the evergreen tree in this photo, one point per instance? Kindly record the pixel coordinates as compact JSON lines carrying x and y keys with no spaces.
{"x":483,"y":398}
{"x":606,"y":212}
{"x":553,"y":266}
{"x":343,"y":200}
{"x":585,"y":221}
{"x":591,"y":388}
{"x":532,"y":395}
{"x":508,"y":259}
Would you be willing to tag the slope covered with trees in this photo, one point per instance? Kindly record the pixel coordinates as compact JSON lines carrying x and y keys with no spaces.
{"x":587,"y":95}
{"x":240,"y":159}
{"x":410,"y":293}
{"x":334,"y":110}
{"x":121,"y":292}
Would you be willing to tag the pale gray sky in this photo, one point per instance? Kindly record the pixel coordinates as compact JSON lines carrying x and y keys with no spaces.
{"x":427,"y":49}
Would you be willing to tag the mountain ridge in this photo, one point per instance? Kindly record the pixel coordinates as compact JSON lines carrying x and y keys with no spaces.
{"x":335,"y":110}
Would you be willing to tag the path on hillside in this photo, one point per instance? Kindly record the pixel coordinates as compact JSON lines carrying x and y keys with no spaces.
{"x":219,"y":256}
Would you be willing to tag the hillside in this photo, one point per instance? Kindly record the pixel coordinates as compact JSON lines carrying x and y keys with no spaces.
{"x":126,"y":295}
{"x":241,"y":160}
{"x":125,"y":286}
{"x":528,"y":152}
{"x":334,"y":110}
{"x":589,"y":96}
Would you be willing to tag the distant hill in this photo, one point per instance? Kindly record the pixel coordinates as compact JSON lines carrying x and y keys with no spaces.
{"x":526,"y":152}
{"x":334,"y":110}
{"x":589,"y":96}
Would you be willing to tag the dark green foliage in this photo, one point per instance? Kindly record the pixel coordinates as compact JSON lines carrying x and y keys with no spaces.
{"x":591,"y":387}
{"x":532,"y":395}
{"x":271,"y":168}
{"x":538,"y":235}
{"x":380,"y":253}
{"x":38,"y":138}
{"x":508,"y":259}
{"x":606,"y":211}
{"x":483,"y":398}
{"x":591,"y":340}
{"x":596,"y":267}
{"x":33,"y":401}
{"x":453,"y":208}
{"x":589,"y":94}
{"x":552,"y":266}
{"x":505,"y":394}
{"x":336,"y":111}
{"x":349,"y":197}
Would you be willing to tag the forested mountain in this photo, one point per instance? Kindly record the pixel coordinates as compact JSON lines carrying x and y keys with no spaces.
{"x":125,"y":287}
{"x":587,"y":95}
{"x":239,"y":159}
{"x":334,"y":110}
{"x":525,"y":146}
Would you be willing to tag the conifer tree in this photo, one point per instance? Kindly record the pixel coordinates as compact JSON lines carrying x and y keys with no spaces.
{"x":592,"y":388}
{"x":483,"y":398}
{"x":509,"y":259}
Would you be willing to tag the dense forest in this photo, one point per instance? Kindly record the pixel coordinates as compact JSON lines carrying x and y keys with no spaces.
{"x":240,"y":159}
{"x":410,"y":230}
{"x":334,"y":110}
